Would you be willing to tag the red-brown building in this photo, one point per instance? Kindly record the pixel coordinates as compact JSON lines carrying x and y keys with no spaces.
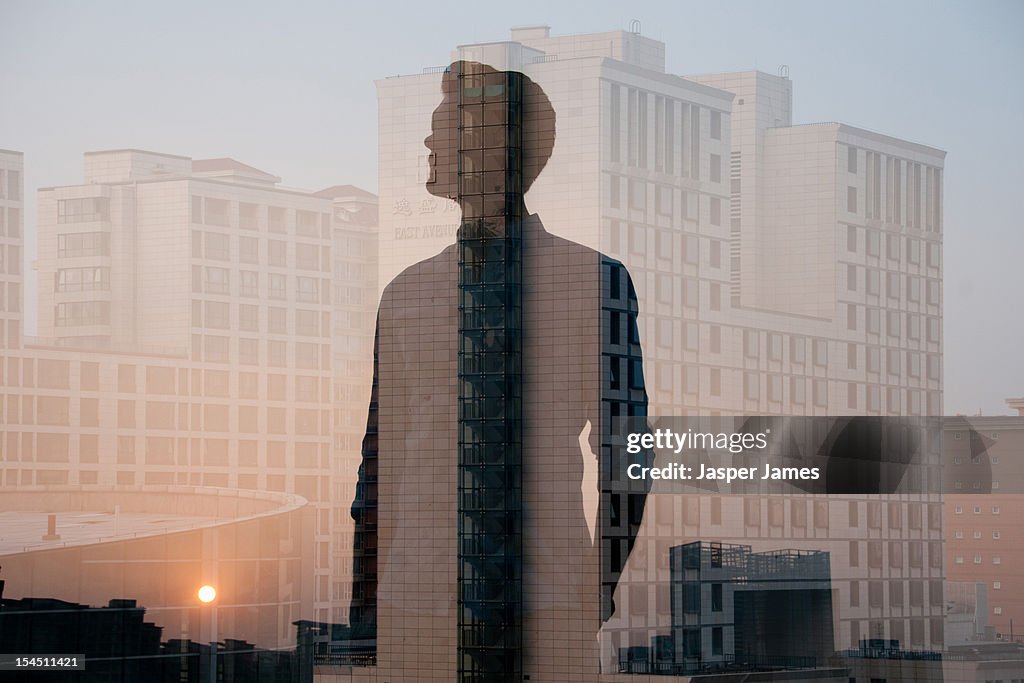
{"x":984,"y":503}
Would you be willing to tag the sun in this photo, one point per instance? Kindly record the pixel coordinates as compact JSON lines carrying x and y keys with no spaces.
{"x":207,"y":593}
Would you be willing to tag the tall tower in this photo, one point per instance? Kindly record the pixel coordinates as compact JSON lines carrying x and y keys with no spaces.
{"x":490,"y":496}
{"x":12,"y":169}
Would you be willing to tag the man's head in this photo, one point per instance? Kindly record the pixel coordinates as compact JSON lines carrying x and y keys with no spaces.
{"x":477,"y":80}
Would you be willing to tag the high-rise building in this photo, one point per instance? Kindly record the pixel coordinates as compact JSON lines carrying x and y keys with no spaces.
{"x":780,"y":269}
{"x":192,"y":318}
{"x":984,"y":480}
{"x":11,"y":246}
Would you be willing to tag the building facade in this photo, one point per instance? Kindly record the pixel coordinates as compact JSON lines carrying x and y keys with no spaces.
{"x":12,"y":223}
{"x":187,"y":336}
{"x":984,"y":481}
{"x":780,"y":269}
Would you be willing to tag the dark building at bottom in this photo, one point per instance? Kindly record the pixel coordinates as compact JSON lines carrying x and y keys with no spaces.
{"x":116,"y":643}
{"x":734,"y":609}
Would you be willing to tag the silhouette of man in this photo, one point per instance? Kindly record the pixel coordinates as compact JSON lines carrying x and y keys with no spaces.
{"x":491,"y":525}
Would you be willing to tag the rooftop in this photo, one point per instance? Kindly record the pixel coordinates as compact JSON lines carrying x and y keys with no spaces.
{"x":23,"y":531}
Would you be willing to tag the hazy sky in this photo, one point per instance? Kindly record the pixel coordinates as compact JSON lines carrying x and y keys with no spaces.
{"x":288,"y":87}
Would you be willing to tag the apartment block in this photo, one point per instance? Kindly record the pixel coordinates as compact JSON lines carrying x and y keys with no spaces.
{"x":780,"y":269}
{"x":984,"y":482}
{"x":11,"y":248}
{"x":188,"y":334}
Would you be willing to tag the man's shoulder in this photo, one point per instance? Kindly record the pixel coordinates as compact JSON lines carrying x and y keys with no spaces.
{"x":434,"y":271}
{"x":581,"y":251}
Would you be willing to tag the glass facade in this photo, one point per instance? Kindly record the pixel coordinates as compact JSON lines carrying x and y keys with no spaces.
{"x":490,"y":450}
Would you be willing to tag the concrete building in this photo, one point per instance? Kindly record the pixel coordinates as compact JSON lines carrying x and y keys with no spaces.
{"x":189,"y":336}
{"x":984,"y":480}
{"x":734,"y":609}
{"x":156,"y":545}
{"x":780,"y":269}
{"x":12,"y":221}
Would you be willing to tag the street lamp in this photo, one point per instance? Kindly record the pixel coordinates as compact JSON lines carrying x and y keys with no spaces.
{"x":207,"y":594}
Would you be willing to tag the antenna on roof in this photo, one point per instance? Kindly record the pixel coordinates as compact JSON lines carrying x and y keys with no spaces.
{"x":634,"y":26}
{"x":784,"y":71}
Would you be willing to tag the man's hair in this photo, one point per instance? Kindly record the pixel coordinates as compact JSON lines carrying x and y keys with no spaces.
{"x":538,"y":119}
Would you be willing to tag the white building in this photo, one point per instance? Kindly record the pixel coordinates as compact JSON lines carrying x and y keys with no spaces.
{"x":188,"y":336}
{"x":11,"y":241}
{"x":781,"y":270}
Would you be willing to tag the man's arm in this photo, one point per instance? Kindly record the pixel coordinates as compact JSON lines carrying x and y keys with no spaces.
{"x":363,"y":608}
{"x":624,"y":408}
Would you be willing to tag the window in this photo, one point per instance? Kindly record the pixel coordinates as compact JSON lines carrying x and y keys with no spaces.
{"x":716,"y":597}
{"x":277,"y":288}
{"x":636,"y":194}
{"x":277,"y":353}
{"x":217,"y":246}
{"x":277,"y":252}
{"x":716,"y":168}
{"x":892,"y":247}
{"x":216,"y":211}
{"x":874,"y":243}
{"x":78,"y":313}
{"x":248,"y":250}
{"x":820,"y":393}
{"x":751,"y":388}
{"x":716,"y":125}
{"x":307,"y":256}
{"x":216,"y":280}
{"x":307,"y":290}
{"x":277,"y":320}
{"x":82,"y":279}
{"x":248,"y":351}
{"x":13,"y":184}
{"x":249,"y":318}
{"x":215,"y":349}
{"x":851,"y":159}
{"x":851,"y":199}
{"x":307,"y":356}
{"x":751,"y":343}
{"x":307,"y":224}
{"x":218,"y":315}
{"x":796,"y":350}
{"x":248,"y":216}
{"x":277,"y":219}
{"x":820,"y":352}
{"x":797,"y":390}
{"x":83,"y":210}
{"x":248,"y":283}
{"x":83,"y":244}
{"x":307,"y":389}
